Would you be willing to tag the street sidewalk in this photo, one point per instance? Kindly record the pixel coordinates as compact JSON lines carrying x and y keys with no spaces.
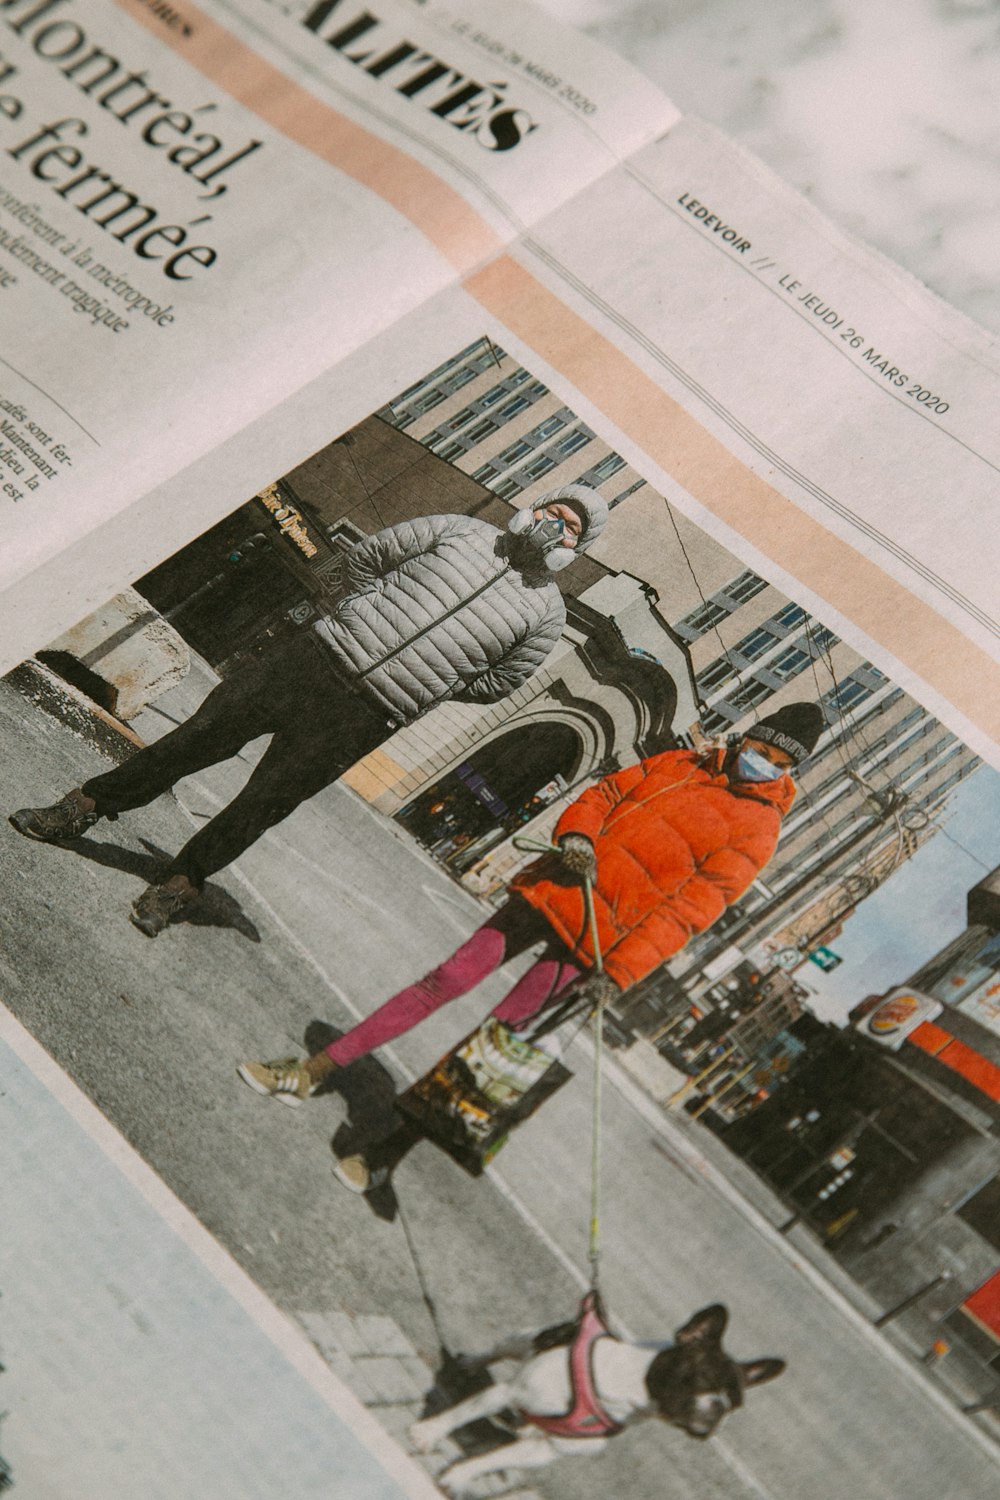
{"x":280,"y":951}
{"x":66,"y":908}
{"x":326,"y":915}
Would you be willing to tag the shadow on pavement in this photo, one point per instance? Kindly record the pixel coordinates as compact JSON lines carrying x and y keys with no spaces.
{"x":372,"y":1129}
{"x":457,"y":1377}
{"x":217,"y":908}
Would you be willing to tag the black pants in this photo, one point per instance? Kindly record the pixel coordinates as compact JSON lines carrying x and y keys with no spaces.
{"x":320,"y":727}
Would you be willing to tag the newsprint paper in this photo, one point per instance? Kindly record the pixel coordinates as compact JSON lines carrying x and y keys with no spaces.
{"x":484,"y":563}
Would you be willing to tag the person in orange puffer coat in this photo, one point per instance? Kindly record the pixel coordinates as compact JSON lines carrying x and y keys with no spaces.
{"x":668,"y":844}
{"x":674,"y":840}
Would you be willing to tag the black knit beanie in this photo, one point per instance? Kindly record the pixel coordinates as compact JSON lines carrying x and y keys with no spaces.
{"x":794,"y":729}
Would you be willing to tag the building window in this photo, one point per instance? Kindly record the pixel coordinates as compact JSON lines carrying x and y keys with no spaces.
{"x":449,"y":378}
{"x":725,"y":602}
{"x":451,"y":450}
{"x":750,"y":694}
{"x":716,"y":721}
{"x":756,"y":643}
{"x":513,"y":452}
{"x":789,"y":663}
{"x":479,"y":356}
{"x":701,"y":619}
{"x":427,"y":402}
{"x":635,"y":485}
{"x":447,"y":428}
{"x":515,"y":483}
{"x":714,"y":676}
{"x":821,"y":639}
{"x":463,"y":376}
{"x":956,"y":777}
{"x":573,"y":442}
{"x":609,"y":466}
{"x":602,"y":470}
{"x":511,"y":408}
{"x":543,"y":464}
{"x":494,"y":394}
{"x":508,"y":488}
{"x":790,"y":615}
{"x":847,"y":693}
{"x":745,"y":587}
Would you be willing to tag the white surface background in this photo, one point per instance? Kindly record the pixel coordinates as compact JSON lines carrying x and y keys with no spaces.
{"x":882,"y":112}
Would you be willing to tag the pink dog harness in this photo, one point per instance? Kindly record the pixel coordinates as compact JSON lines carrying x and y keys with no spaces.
{"x":586,"y":1417}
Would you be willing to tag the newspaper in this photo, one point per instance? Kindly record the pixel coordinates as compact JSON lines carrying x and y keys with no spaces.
{"x":440,"y":481}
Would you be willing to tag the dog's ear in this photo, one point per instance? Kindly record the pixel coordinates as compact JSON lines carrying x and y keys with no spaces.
{"x":759,"y":1370}
{"x":706,"y":1326}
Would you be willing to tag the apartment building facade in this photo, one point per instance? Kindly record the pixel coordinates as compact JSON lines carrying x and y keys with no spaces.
{"x":883,"y":771}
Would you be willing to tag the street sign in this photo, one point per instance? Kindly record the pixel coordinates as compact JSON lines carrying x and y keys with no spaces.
{"x":825,"y":959}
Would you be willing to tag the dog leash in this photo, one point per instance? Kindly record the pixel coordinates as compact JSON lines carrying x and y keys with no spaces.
{"x":536,"y":846}
{"x":425,"y":1293}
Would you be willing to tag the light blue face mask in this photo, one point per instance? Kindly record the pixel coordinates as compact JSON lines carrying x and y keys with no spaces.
{"x":752,"y":766}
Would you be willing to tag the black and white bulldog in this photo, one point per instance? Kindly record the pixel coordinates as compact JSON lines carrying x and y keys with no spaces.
{"x":577,"y":1385}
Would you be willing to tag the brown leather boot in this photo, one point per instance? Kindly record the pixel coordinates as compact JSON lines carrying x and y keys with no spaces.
{"x":158,"y":905}
{"x":58,"y":824}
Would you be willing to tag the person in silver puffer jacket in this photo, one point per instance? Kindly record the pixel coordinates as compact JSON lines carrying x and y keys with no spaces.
{"x":439,"y":607}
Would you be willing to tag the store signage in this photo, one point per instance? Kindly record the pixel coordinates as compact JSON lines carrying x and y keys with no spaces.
{"x":289,"y":521}
{"x":895,"y":1017}
{"x":481,"y":790}
{"x":984,"y":1306}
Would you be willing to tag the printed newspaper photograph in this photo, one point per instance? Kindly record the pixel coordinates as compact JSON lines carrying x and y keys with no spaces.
{"x":353,"y":847}
{"x":500,"y":856}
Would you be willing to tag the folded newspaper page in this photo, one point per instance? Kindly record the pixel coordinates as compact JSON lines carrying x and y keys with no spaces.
{"x":501,"y":938}
{"x":309,"y":167}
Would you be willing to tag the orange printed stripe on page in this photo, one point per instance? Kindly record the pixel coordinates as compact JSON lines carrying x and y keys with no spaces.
{"x":461,"y":235}
{"x":885,"y":609}
{"x":984,"y":1305}
{"x":973,"y":1067}
{"x":929,"y":1038}
{"x":960,"y":1058}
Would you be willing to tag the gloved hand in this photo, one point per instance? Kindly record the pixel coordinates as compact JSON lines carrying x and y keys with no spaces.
{"x":577,"y":857}
{"x":599,"y":989}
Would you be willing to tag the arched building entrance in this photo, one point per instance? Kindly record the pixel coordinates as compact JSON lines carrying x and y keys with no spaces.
{"x":503,"y":785}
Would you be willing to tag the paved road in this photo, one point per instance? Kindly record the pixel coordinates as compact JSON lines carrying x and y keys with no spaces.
{"x":322,"y":919}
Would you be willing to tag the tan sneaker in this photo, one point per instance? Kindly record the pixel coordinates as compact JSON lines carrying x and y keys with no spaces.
{"x":285,"y":1079}
{"x":354,"y":1173}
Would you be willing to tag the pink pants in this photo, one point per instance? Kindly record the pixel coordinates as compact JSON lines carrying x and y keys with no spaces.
{"x":513,"y":929}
